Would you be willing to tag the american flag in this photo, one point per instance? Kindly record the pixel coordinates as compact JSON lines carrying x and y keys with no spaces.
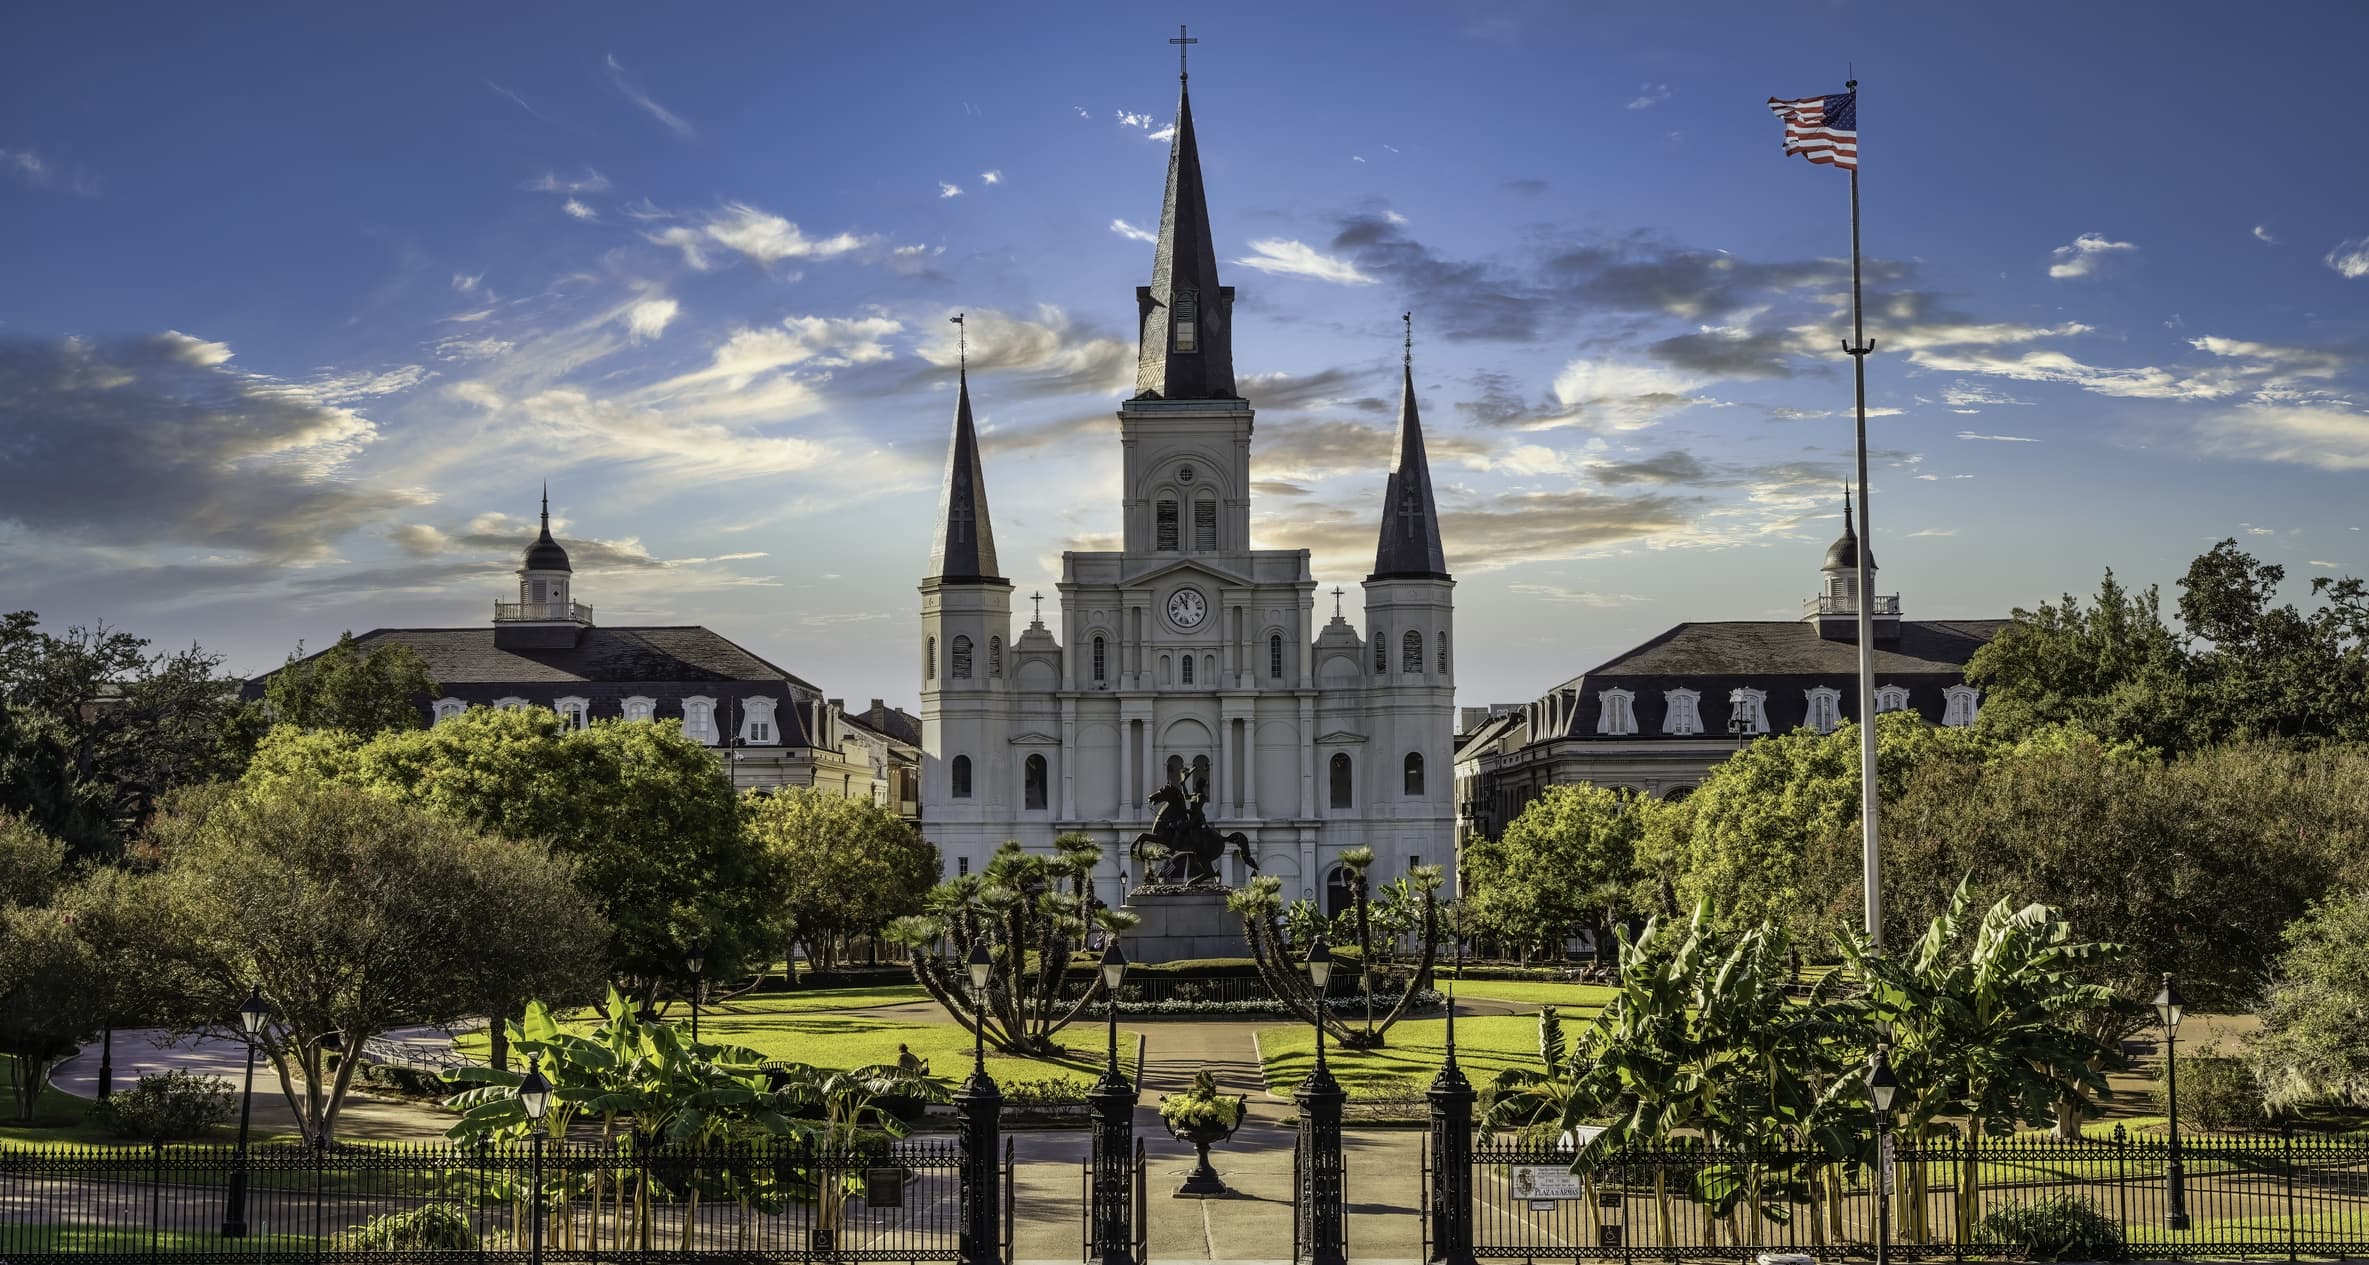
{"x":1822,"y":129}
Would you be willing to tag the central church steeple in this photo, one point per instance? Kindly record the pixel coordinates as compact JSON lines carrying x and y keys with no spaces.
{"x":1185,"y":319}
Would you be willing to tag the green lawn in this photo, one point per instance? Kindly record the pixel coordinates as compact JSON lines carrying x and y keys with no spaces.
{"x":1483,"y":1047}
{"x":1570,"y":997}
{"x":838,"y":1039}
{"x":804,"y":1001}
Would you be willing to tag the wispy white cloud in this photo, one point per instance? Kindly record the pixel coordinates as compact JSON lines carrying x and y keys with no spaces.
{"x":2350,"y":258}
{"x":626,"y":87}
{"x":649,"y":318}
{"x":2262,"y":234}
{"x":1298,"y":259}
{"x":1933,"y":531}
{"x":577,"y":210}
{"x":2001,"y":439}
{"x":1585,"y":597}
{"x":553,"y":182}
{"x":1132,"y":233}
{"x":991,"y":177}
{"x":467,"y":282}
{"x":514,"y":97}
{"x":2326,"y":437}
{"x":1649,"y":95}
{"x":41,"y":173}
{"x":2082,"y":257}
{"x":759,"y":235}
{"x":946,"y":190}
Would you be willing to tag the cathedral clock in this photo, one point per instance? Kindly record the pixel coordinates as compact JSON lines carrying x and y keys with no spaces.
{"x":1187,"y":608}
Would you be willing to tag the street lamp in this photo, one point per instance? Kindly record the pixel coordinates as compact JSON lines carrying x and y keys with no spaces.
{"x":982,"y":966}
{"x":696,"y":959}
{"x":2168,"y":1005}
{"x":534,"y":1098}
{"x":1882,"y":1086}
{"x":252,"y":1016}
{"x":978,"y":1105}
{"x":1114,"y":1129}
{"x":1324,"y":1180}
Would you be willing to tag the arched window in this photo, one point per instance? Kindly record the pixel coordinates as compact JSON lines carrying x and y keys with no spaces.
{"x":962,"y":659}
{"x":1411,"y":660}
{"x":960,"y":773}
{"x":1185,"y":671}
{"x":1616,"y":712}
{"x":1340,"y":778}
{"x":1340,"y":892}
{"x":1098,"y":659}
{"x":1414,"y":774}
{"x":1032,"y":783}
{"x":1891,"y":698}
{"x":1443,"y":652}
{"x":1176,"y":770}
{"x":1825,"y":708}
{"x":447,"y":708}
{"x":1747,"y":711}
{"x":1275,"y":657}
{"x":1164,"y":526}
{"x":1205,"y":525}
{"x":995,"y":656}
{"x":1681,"y":716}
{"x":1201,"y":773}
{"x":929,"y":658}
{"x":1381,"y":653}
{"x":1960,"y":705}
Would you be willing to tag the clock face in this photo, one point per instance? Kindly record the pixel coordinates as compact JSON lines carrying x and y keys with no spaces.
{"x":1187,"y":609}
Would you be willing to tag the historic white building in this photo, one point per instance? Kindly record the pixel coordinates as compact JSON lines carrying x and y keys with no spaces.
{"x":1187,"y":650}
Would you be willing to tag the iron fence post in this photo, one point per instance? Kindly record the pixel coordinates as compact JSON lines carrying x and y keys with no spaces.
{"x":1322,"y":1177}
{"x":978,"y":1106}
{"x":2287,"y":1164}
{"x":1114,"y":1098}
{"x":535,"y":1205}
{"x":1451,"y":1098}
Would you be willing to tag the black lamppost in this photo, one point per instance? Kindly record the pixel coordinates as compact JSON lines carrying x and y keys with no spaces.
{"x":1114,"y":1129}
{"x":979,"y":1106}
{"x":1451,"y":1098}
{"x":1323,"y":1178}
{"x":234,"y":1215}
{"x":2168,"y":1005}
{"x":1882,"y":1086}
{"x":696,"y":959}
{"x":534,"y":1098}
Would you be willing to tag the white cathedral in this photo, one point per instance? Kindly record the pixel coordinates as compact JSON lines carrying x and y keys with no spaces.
{"x":1188,"y":653}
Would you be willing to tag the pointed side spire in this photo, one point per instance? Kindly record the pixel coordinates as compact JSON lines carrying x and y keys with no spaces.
{"x":1185,"y":318}
{"x":546,"y":554}
{"x":963,"y":551}
{"x":1410,"y":544}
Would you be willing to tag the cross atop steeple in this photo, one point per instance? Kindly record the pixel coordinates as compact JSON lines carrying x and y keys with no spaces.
{"x":1038,"y":597}
{"x":1336,"y":601}
{"x":1182,"y":43}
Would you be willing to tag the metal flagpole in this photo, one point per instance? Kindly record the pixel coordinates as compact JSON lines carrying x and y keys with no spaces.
{"x":1858,"y":349}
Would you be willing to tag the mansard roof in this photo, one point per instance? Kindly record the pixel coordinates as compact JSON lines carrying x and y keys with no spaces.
{"x":671,"y":655}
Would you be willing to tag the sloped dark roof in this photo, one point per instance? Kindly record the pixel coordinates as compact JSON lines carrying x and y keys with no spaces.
{"x":1843,"y":554}
{"x":894,"y":722}
{"x":685,"y":654}
{"x":1786,"y":659}
{"x":1184,"y":258}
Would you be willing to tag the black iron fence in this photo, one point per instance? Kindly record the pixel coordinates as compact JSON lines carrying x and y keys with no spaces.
{"x":2254,"y":1195}
{"x":893,"y":1201}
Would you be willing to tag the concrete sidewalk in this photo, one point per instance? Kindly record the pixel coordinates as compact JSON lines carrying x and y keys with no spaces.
{"x":145,"y":1050}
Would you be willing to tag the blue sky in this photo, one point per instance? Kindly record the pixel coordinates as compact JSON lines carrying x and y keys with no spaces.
{"x":303,"y":304}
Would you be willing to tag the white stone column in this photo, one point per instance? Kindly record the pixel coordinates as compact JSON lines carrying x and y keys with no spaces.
{"x":1069,"y":759}
{"x":1307,"y":756}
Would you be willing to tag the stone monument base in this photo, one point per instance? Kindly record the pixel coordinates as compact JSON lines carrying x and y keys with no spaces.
{"x":1179,"y":924}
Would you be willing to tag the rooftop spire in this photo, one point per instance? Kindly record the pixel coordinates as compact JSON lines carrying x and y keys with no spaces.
{"x":1184,"y":317}
{"x":546,"y":554}
{"x":963,"y":551}
{"x":1410,"y":543}
{"x":1843,"y":554}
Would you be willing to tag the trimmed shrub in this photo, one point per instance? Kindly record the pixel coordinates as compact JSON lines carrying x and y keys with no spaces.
{"x":427,"y":1228}
{"x":166,"y":1106}
{"x":2058,"y":1228}
{"x":2216,"y":1092}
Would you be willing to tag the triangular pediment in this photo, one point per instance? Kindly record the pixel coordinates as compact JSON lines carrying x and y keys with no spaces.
{"x":1200,"y":567}
{"x":1033,"y":738}
{"x":1338,"y":737}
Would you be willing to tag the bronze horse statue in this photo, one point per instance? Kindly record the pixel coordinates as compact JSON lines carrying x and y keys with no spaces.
{"x":1181,"y":841}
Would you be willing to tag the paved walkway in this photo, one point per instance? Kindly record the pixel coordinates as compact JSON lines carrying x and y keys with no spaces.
{"x":144,"y":1050}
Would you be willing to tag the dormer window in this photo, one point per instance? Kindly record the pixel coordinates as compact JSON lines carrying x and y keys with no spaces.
{"x":641,"y":707}
{"x":1187,"y":322}
{"x":447,"y":708}
{"x":1891,"y":698}
{"x":1616,"y":712}
{"x":575,"y":711}
{"x":699,"y":719}
{"x":1960,"y":706}
{"x":1826,"y":708}
{"x":756,"y":722}
{"x":1747,"y":711}
{"x":1683,"y":715}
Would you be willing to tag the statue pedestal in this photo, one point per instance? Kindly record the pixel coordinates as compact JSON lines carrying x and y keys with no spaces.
{"x":1184,"y":924}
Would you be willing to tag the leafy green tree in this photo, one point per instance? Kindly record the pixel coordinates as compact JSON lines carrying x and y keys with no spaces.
{"x":1742,"y":844}
{"x":1568,"y":861}
{"x":364,"y":693}
{"x":46,"y":976}
{"x":850,"y":867}
{"x":31,"y":862}
{"x":2114,"y":669}
{"x":95,"y":729}
{"x":1986,"y":1024}
{"x":1265,"y":926}
{"x":644,"y":812}
{"x":2272,"y":671}
{"x":2314,"y":1046}
{"x":354,"y":913}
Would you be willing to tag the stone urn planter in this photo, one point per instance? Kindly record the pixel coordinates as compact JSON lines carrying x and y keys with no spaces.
{"x":1203,"y":1117}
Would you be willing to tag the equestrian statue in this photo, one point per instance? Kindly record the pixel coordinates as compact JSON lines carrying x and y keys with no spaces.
{"x":1181,"y":843}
